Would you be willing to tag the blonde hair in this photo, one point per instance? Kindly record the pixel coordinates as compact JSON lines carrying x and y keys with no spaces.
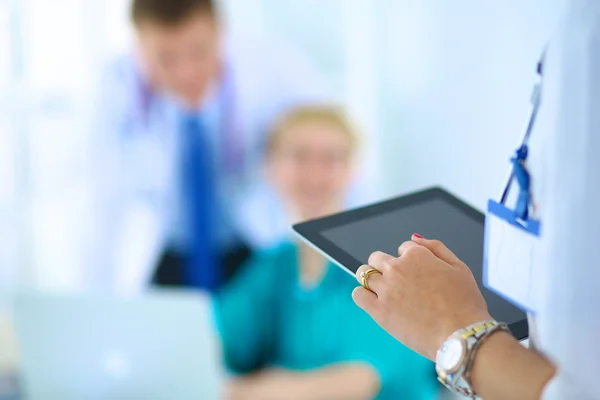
{"x":330,"y":115}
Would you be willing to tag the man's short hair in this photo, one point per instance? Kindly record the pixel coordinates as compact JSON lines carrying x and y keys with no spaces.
{"x":169,"y":12}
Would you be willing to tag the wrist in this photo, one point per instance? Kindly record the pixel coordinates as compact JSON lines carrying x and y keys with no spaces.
{"x":502,"y":340}
{"x":262,"y":385}
{"x":455,"y":324}
{"x":503,"y":355}
{"x":277,"y":380}
{"x":456,"y":356}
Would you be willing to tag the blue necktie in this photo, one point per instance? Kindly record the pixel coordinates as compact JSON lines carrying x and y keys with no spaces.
{"x":202,"y":270}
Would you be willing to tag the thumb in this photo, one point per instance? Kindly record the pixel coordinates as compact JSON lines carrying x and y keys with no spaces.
{"x":439,"y":249}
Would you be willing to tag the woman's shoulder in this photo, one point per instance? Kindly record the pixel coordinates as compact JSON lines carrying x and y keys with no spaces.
{"x":278,"y":252}
{"x":263,"y":273}
{"x":271,"y":262}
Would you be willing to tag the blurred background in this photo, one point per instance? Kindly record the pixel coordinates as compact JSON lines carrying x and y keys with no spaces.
{"x":438,"y":89}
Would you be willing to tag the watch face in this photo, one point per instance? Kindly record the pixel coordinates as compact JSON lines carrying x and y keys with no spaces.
{"x":451,"y":355}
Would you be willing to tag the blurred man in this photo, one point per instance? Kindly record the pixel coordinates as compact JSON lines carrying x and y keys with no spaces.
{"x":181,"y":125}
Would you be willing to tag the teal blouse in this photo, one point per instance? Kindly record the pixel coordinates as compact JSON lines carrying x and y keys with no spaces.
{"x":266,"y":318}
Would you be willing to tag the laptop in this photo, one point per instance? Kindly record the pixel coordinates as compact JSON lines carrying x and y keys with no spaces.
{"x":154,"y":347}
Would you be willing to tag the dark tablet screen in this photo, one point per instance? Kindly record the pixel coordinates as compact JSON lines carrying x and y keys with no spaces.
{"x":433,"y":218}
{"x":349,"y":238}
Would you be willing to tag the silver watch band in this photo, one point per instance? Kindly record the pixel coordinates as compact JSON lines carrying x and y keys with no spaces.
{"x":474,"y":336}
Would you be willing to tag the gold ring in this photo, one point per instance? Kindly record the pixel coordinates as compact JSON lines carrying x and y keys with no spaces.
{"x":365,"y":277}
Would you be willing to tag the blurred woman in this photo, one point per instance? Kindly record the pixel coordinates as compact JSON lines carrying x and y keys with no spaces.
{"x":288,"y":323}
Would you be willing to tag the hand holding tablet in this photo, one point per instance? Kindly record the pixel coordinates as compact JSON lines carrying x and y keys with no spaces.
{"x":350,"y":238}
{"x":425,"y":272}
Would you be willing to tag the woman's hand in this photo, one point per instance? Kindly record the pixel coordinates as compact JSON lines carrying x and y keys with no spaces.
{"x":263,"y":385}
{"x":422,"y":296}
{"x":344,"y":381}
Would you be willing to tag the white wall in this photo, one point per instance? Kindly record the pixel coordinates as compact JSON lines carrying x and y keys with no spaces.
{"x":455,"y":79}
{"x":340,"y":37}
{"x":439,"y":87}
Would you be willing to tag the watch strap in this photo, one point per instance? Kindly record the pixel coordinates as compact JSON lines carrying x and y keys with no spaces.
{"x":474,"y":336}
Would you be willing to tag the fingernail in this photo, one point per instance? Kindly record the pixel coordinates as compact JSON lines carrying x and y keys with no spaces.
{"x":418,"y":236}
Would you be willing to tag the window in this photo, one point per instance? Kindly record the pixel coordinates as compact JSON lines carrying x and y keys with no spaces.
{"x":50,"y":55}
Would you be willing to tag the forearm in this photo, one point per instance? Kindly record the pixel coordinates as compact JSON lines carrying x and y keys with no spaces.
{"x":504,"y":369}
{"x":343,"y":382}
{"x":348,"y":381}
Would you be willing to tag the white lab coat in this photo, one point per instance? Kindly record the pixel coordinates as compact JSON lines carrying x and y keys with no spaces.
{"x":134,"y":159}
{"x":565,"y":167}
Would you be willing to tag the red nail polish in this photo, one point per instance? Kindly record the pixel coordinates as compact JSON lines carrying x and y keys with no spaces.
{"x":418,"y":236}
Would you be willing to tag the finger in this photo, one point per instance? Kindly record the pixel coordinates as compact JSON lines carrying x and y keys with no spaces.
{"x":380,"y":260}
{"x":405,"y":246}
{"x":367,"y":301}
{"x":375,"y":281}
{"x":439,"y":249}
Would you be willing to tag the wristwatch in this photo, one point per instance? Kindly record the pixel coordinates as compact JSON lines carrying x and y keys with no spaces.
{"x":455,"y":358}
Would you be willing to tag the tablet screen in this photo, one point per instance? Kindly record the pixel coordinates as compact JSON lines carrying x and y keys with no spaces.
{"x":435,"y":218}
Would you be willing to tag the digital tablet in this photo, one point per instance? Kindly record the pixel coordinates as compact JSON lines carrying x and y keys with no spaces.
{"x":349,"y":238}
